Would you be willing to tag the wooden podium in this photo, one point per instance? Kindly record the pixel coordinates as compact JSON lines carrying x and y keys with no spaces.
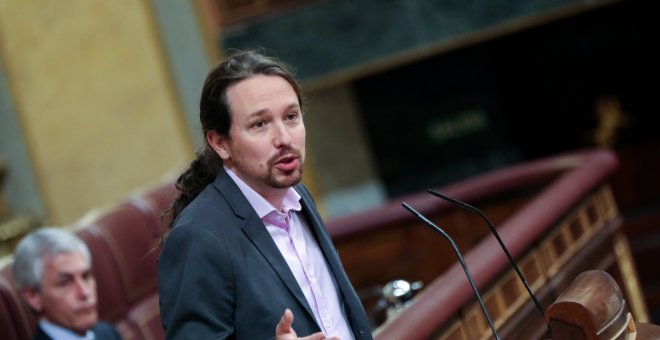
{"x":593,"y":308}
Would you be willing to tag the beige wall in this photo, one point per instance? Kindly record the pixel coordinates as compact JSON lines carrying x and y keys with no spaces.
{"x":346,"y":178}
{"x":94,"y":99}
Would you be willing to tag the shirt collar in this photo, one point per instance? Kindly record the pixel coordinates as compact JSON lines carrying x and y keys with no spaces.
{"x":259,"y":203}
{"x":61,"y":333}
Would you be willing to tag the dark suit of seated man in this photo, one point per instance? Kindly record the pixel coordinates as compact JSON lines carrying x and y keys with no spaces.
{"x":52,"y":271}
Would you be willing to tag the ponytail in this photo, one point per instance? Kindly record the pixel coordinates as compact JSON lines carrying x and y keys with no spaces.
{"x":200,"y":173}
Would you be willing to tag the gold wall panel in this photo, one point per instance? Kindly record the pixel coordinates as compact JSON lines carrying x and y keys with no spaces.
{"x":94,"y":97}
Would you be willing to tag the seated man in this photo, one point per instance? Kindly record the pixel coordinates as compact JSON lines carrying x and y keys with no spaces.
{"x":53,"y":272}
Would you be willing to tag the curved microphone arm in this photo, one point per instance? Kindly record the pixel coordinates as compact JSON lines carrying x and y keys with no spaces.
{"x":499,"y":240}
{"x":460,"y":259}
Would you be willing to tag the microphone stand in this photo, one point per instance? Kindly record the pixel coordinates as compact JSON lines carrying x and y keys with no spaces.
{"x":499,"y":240}
{"x":460,"y":259}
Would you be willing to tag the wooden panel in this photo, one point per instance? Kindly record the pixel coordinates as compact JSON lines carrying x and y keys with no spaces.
{"x":550,"y":257}
{"x":411,"y":251}
{"x":229,"y":12}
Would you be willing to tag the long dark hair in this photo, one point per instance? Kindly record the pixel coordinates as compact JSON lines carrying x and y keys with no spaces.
{"x":215,"y":115}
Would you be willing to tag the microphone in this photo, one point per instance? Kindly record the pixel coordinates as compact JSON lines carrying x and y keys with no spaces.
{"x":499,"y":240}
{"x":460,"y":259}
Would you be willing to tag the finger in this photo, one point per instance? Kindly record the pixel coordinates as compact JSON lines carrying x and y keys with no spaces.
{"x":315,"y":336}
{"x":284,"y":326}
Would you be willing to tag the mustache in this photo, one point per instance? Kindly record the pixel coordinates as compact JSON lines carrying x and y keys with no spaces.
{"x":285,"y":152}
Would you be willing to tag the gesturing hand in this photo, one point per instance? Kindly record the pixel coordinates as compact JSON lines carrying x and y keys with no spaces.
{"x":284,"y":331}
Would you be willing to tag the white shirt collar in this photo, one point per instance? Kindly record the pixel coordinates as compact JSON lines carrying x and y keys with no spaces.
{"x":259,"y":203}
{"x":58,"y":332}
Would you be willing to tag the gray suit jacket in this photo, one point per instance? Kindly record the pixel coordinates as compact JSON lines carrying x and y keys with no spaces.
{"x":221,"y":275}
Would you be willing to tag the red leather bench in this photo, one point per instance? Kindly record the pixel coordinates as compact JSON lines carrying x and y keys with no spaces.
{"x":121,"y":241}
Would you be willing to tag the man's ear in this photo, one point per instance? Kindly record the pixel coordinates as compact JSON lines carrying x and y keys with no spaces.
{"x":33,"y":298}
{"x":220,"y":144}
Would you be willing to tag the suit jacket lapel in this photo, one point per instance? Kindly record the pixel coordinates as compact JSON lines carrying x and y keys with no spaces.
{"x":256,"y":231}
{"x":39,"y":334}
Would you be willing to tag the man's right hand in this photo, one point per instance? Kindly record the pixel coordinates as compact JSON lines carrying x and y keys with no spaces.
{"x":284,"y":331}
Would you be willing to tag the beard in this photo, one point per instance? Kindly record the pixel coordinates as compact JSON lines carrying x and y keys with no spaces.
{"x":291,"y":177}
{"x":273,"y":177}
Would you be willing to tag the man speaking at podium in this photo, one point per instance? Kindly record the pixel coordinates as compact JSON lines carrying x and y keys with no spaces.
{"x":247,"y":255}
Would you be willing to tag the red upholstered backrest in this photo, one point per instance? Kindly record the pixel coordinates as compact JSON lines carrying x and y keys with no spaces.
{"x":124,"y":265}
{"x":121,"y":241}
{"x":16,"y":319}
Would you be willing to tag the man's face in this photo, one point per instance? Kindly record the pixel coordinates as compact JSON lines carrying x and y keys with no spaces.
{"x":68,"y":292}
{"x":266,"y":148}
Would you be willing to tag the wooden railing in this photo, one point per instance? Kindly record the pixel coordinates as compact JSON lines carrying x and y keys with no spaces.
{"x":557,"y":216}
